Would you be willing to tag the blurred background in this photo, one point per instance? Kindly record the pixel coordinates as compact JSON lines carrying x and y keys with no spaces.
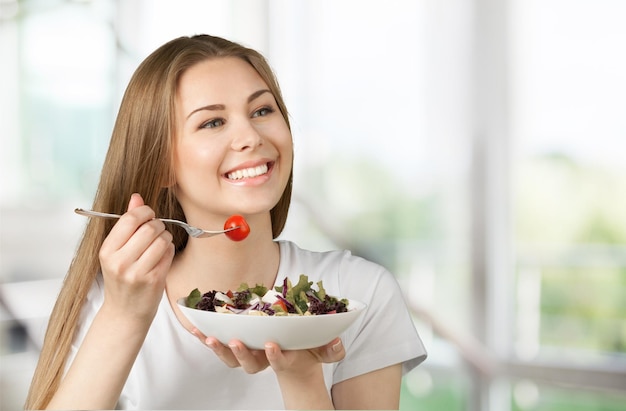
{"x":474,"y":147}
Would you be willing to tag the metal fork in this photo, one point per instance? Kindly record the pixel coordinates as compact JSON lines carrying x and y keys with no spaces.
{"x":192,"y":231}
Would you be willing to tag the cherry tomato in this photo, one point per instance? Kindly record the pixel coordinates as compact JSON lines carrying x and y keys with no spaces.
{"x":281,"y":304}
{"x":241,"y":232}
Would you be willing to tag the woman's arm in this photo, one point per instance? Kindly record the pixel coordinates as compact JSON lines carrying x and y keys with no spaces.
{"x":379,"y":390}
{"x":301,"y":378}
{"x":135,"y":258}
{"x":102,"y":364}
{"x":299,"y":372}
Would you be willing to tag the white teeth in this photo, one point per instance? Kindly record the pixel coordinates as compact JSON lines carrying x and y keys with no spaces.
{"x":248,"y":172}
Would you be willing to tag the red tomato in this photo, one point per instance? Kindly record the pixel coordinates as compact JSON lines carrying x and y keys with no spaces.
{"x":241,"y":232}
{"x":281,"y":304}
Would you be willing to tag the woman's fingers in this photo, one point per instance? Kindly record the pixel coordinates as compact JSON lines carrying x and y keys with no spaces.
{"x":167,"y":256}
{"x":127,"y":226}
{"x":235,"y":354}
{"x":140,"y":254}
{"x":135,"y":258}
{"x":292,"y":361}
{"x":135,"y":201}
{"x":138,"y":243}
{"x":147,"y":246}
{"x":333,"y":351}
{"x":222,"y":351}
{"x":252,"y":361}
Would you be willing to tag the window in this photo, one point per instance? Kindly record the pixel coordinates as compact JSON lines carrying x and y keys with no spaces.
{"x":473,"y":148}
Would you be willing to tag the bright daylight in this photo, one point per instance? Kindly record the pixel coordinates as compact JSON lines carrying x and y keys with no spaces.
{"x":468,"y":153}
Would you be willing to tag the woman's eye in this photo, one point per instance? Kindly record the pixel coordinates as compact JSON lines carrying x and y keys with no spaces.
{"x":216,"y":122}
{"x":262,"y":112}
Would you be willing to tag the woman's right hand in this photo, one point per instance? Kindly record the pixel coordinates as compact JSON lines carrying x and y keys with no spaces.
{"x":135,"y":258}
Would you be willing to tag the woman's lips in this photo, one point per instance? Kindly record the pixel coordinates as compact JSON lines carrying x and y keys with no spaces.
{"x":249,"y":172}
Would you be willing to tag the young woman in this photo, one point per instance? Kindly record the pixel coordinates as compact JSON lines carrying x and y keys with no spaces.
{"x":203,"y":133}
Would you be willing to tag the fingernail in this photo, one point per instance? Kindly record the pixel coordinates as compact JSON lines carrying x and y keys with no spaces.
{"x":234,"y":347}
{"x":270,"y":348}
{"x":211,"y":343}
{"x":337,"y":346}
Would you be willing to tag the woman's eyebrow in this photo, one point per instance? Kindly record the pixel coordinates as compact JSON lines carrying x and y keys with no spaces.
{"x":210,"y":107}
{"x":217,"y":107}
{"x":256,"y":94}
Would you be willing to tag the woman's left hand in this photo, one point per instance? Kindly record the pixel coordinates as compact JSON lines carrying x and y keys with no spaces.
{"x":298,"y":363}
{"x":299,"y":372}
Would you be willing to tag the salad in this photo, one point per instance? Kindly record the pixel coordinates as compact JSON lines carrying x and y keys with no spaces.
{"x":288,"y":299}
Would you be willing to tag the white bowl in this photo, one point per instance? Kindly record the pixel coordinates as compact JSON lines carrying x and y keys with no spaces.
{"x":289,"y":332}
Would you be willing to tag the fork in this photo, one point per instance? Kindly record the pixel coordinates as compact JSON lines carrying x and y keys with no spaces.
{"x":191,"y":230}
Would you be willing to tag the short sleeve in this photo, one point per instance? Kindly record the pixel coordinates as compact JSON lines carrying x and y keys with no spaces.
{"x":385,"y":334}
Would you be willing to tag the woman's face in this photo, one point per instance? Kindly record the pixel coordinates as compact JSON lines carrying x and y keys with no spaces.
{"x":233,"y":148}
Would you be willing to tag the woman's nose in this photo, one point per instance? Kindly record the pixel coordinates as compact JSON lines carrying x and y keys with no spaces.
{"x":246,"y":137}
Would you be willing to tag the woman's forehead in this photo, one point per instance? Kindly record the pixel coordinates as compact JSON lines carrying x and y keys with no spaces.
{"x":218,"y":71}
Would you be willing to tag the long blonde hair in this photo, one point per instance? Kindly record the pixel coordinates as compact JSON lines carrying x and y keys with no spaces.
{"x":139,"y":159}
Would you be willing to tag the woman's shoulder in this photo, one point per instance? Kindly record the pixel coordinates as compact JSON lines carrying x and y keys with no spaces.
{"x":341,"y":271}
{"x":294,"y":255}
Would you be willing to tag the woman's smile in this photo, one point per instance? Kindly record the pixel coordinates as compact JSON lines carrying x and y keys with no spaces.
{"x":250,"y":174}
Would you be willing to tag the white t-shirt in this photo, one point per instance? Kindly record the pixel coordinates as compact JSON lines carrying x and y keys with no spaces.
{"x":173,"y":370}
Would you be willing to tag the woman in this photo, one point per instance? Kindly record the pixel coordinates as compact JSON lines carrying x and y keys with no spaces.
{"x":203,"y":133}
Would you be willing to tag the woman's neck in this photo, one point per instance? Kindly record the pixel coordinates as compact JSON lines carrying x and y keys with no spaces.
{"x":219,"y":263}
